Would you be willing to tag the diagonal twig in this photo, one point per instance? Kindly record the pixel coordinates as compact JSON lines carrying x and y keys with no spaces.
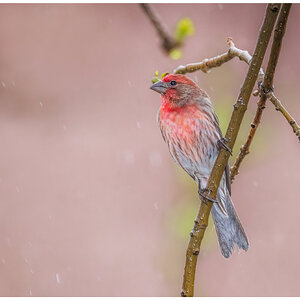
{"x":286,"y":114}
{"x":233,"y":128}
{"x":167,"y":41}
{"x":209,"y":63}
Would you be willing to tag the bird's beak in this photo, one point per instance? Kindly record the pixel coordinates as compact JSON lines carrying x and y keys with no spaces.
{"x":159,"y":87}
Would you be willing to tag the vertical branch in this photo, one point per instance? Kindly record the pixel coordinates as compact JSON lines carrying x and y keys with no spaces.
{"x":168,"y":42}
{"x":266,"y":87}
{"x":218,"y":170}
{"x":276,"y":45}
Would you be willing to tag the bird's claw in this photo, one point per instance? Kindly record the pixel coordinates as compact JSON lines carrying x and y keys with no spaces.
{"x":221,"y":144}
{"x":204,"y":197}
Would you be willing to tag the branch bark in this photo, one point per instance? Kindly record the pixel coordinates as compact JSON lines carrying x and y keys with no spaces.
{"x":265,"y":88}
{"x":208,"y":64}
{"x":286,"y":114}
{"x":167,"y":41}
{"x":214,"y":62}
{"x":276,"y":45}
{"x":218,"y":170}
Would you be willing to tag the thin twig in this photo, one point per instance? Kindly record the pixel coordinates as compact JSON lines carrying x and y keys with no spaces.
{"x":167,"y":41}
{"x":289,"y":118}
{"x":244,"y":150}
{"x":218,"y":170}
{"x":206,"y":64}
{"x":265,"y":88}
{"x":209,"y":63}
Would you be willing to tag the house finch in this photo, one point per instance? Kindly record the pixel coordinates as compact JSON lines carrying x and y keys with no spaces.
{"x":191,"y":130}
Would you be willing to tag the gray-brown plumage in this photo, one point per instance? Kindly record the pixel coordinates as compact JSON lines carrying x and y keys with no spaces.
{"x":191,"y":130}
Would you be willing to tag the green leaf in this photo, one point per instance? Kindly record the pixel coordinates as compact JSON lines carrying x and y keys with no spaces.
{"x":154,"y":79}
{"x":163,"y":75}
{"x":184,"y":27}
{"x":175,"y":54}
{"x":157,"y":77}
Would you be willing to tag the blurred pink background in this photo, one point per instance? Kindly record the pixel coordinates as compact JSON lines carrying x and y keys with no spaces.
{"x":91,"y":202}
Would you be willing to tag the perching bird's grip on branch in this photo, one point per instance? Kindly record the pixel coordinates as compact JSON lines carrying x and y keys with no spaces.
{"x":191,"y":130}
{"x":211,"y":190}
{"x":222,"y":159}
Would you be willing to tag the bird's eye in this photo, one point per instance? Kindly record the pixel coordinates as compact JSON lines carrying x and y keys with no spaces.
{"x":173,"y":82}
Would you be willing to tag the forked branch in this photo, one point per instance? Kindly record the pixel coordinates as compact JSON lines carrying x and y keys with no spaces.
{"x":240,"y":107}
{"x":286,"y":114}
{"x":266,"y":89}
{"x":207,"y":64}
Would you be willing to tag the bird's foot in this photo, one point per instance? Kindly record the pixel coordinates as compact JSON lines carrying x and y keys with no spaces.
{"x":203,"y":197}
{"x":222,"y":144}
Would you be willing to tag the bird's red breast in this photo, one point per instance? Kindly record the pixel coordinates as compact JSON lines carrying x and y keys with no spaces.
{"x":188,"y":131}
{"x":183,"y":122}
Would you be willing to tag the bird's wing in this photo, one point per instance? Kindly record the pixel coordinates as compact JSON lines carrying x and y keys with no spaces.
{"x":221,"y":205}
{"x":227,"y":176}
{"x":221,"y":201}
{"x":161,"y":126}
{"x":227,"y":169}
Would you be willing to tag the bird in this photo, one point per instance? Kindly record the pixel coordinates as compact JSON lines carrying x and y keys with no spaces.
{"x":190,"y":128}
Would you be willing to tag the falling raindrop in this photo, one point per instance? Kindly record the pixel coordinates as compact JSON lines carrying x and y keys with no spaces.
{"x":155,"y":159}
{"x":57,"y":278}
{"x":129,"y":157}
{"x":138,"y":125}
{"x":8,"y":241}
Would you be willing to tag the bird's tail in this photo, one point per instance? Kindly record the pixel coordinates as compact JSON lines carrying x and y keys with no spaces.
{"x":228,"y":226}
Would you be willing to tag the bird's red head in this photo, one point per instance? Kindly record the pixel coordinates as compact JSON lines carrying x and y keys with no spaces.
{"x":177,"y":90}
{"x":179,"y":79}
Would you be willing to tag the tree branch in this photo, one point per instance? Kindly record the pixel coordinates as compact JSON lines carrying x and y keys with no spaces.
{"x":276,"y":45}
{"x":167,"y":41}
{"x":265,"y":88}
{"x":289,"y":118}
{"x":218,"y":170}
{"x":206,"y":64}
{"x":209,"y":63}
